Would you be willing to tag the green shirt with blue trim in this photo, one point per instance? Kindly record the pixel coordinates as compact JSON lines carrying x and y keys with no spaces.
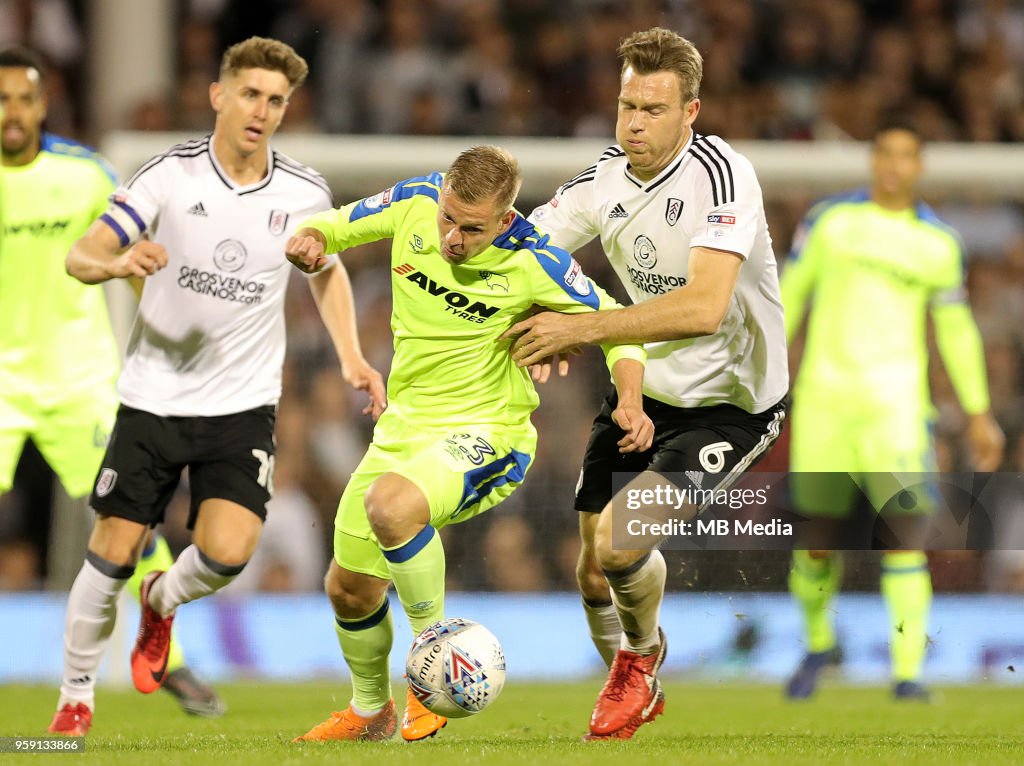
{"x":450,"y":367}
{"x":55,"y":334}
{"x":872,"y":276}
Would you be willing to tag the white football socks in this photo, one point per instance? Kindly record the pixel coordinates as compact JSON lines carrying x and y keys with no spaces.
{"x":637,"y":593}
{"x":605,"y":630}
{"x":192,"y":576}
{"x":88,"y":623}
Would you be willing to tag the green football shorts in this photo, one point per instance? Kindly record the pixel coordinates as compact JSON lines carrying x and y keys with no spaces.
{"x":71,"y":435}
{"x":883,"y":451}
{"x":461,"y":471}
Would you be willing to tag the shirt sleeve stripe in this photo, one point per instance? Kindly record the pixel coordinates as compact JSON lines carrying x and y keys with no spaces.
{"x":122,"y":236}
{"x":728,"y":167}
{"x":134,"y":216}
{"x":711,"y":177}
{"x":722,"y":189}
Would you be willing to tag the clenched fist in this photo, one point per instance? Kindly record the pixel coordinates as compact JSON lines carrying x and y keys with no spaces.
{"x":306,"y":253}
{"x":141,"y":260}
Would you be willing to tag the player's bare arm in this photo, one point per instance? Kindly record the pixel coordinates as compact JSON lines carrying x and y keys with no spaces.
{"x":629,"y":414}
{"x":332,"y":291}
{"x":687,"y":312}
{"x":305,"y":249}
{"x":97,"y":256}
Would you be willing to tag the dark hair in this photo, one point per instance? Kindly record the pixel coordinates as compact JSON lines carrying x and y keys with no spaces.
{"x":900,"y":122}
{"x":265,"y":53}
{"x":20,"y":57}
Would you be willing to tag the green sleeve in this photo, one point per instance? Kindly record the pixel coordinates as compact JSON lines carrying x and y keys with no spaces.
{"x":373,"y":218}
{"x":960,"y":346}
{"x":342,"y":231}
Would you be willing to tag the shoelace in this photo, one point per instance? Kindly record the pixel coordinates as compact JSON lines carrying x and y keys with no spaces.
{"x":621,"y":678}
{"x":152,"y":638}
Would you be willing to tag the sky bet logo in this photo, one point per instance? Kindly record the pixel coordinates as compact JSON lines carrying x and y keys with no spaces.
{"x":458,"y":304}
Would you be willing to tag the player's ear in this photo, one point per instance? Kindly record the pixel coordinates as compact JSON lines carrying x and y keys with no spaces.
{"x":692,"y":108}
{"x":506,"y":221}
{"x":216,"y":96}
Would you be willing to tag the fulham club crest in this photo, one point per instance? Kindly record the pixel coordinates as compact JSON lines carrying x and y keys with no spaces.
{"x":106,"y":482}
{"x":673,"y":210}
{"x":278,"y":221}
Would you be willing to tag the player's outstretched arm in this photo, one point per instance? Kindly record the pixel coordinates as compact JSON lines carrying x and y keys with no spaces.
{"x":97,"y":256}
{"x":332,"y":291}
{"x":629,"y":415}
{"x":687,"y":312}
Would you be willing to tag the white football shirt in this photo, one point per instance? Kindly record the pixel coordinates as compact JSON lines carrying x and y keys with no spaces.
{"x":209,"y":336}
{"x":708,"y":196}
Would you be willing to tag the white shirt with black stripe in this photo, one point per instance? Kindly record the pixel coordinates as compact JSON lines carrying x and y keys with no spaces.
{"x":209,"y":336}
{"x":708,"y":196}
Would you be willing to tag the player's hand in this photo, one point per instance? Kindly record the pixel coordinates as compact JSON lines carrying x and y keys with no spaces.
{"x":363,"y":377}
{"x":544,"y":335}
{"x":142,"y":259}
{"x":986,"y":441}
{"x":541,"y":371}
{"x":639,"y":429}
{"x":305,"y":253}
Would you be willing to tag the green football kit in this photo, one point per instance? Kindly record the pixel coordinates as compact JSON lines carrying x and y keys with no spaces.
{"x":861,"y":398}
{"x":58,"y":356}
{"x":458,"y":418}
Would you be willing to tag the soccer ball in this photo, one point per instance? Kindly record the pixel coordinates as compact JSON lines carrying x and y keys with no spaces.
{"x":456,"y":667}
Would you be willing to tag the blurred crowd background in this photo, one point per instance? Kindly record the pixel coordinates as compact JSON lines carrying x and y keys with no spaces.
{"x":813,"y":70}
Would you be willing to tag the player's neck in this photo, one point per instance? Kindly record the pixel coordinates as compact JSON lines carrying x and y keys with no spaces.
{"x":894,"y":202}
{"x":22,"y":158}
{"x":243,"y":169}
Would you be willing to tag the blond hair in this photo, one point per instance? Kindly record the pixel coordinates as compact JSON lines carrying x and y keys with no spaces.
{"x":662,"y":50}
{"x":265,"y":53}
{"x":483,"y":172}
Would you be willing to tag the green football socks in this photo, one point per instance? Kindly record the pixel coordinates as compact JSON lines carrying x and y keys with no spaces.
{"x":907,"y":589}
{"x":814,"y":583}
{"x":417,"y":568}
{"x":366,"y":644}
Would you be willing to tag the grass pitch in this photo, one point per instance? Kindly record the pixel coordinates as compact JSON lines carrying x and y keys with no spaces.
{"x":541,"y":724}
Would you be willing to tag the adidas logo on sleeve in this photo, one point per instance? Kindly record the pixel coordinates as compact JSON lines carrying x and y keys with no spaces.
{"x":197,"y":209}
{"x":618,"y":212}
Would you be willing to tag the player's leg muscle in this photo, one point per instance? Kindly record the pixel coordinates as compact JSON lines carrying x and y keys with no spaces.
{"x":352,"y":594}
{"x":117,"y":540}
{"x":227,"y":532}
{"x":591,"y":580}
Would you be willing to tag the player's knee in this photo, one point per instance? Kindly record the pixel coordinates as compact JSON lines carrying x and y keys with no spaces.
{"x":615,"y":561}
{"x":232,"y":552}
{"x":391,"y":511}
{"x":116,"y":540}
